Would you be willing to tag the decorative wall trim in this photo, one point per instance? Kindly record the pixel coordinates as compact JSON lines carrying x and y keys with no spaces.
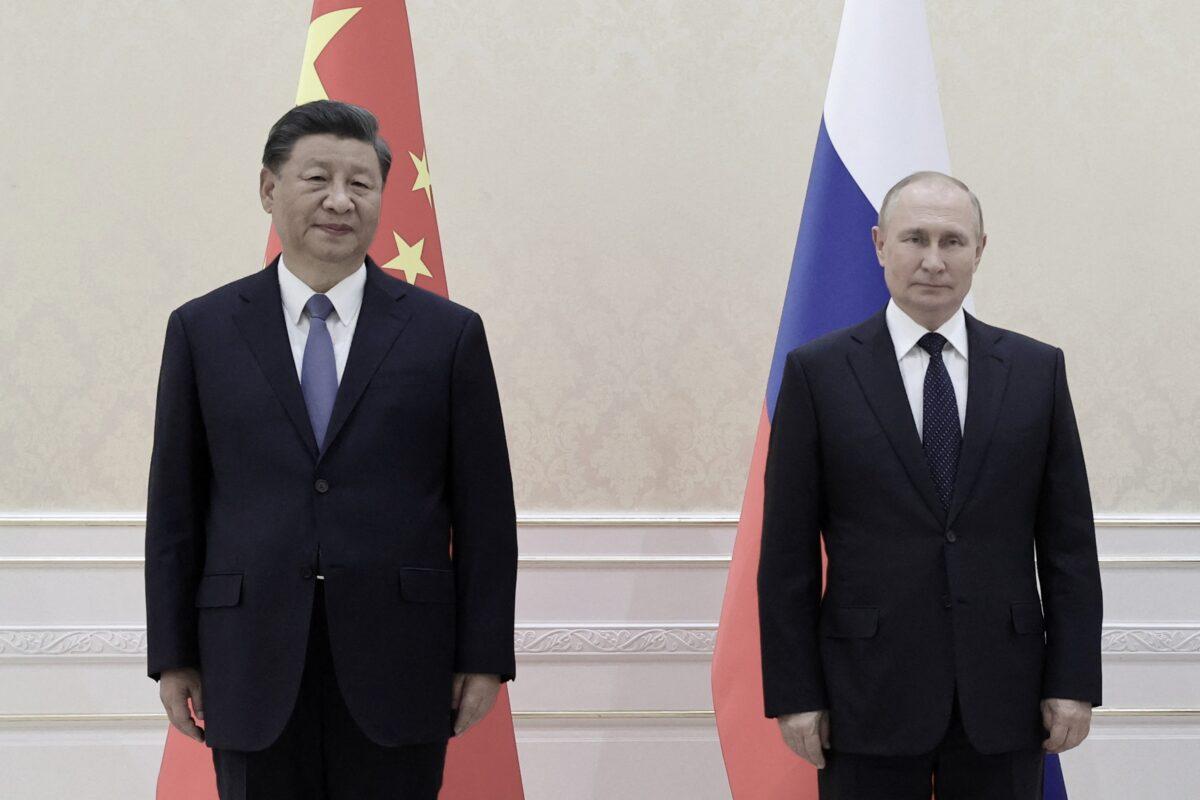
{"x":74,"y":642}
{"x":560,"y":562}
{"x":668,"y":519}
{"x":606,"y":640}
{"x":1181,"y":640}
{"x":564,"y":714}
{"x":545,"y":640}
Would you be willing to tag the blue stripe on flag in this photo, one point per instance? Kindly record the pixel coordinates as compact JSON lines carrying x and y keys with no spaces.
{"x":836,"y":280}
{"x":1053,"y":786}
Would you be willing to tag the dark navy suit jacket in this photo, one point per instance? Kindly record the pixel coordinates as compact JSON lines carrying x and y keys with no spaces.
{"x":244,"y":511}
{"x":919,"y":601}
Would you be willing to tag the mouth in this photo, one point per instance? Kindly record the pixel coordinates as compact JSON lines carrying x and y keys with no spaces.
{"x":336,"y":230}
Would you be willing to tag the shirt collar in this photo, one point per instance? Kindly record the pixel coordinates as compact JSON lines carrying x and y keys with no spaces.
{"x":346,"y":295}
{"x":906,"y":332}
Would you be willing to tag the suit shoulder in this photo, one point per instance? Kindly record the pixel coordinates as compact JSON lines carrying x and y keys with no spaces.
{"x":1018,"y":342}
{"x":832,"y":345}
{"x":217,"y":299}
{"x":434,"y":303}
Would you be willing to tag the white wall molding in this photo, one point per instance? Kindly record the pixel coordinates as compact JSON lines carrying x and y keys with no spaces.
{"x":602,"y":519}
{"x":1192,"y":715}
{"x":549,"y":640}
{"x":590,"y":561}
{"x":73,"y":642}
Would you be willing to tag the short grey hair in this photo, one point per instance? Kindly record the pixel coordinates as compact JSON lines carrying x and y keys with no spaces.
{"x":929,"y":175}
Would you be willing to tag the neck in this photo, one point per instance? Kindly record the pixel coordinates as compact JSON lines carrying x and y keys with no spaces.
{"x":321,"y":276}
{"x":929,"y":320}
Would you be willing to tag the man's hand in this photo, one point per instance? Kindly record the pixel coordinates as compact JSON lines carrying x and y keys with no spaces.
{"x":175,"y":686}
{"x":807,"y":733}
{"x":1068,"y":722}
{"x":473,"y":697}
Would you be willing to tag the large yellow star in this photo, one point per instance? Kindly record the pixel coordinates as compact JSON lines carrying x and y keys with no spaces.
{"x":322,"y":29}
{"x":408,"y":259}
{"x":422,"y":181}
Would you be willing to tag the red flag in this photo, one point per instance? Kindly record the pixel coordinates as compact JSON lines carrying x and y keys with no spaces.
{"x":758,"y":763}
{"x":361,"y":52}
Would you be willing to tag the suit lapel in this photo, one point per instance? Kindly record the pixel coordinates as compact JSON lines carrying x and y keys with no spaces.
{"x":987,"y":377}
{"x":380,"y":321}
{"x":874,"y":364}
{"x":260,"y":321}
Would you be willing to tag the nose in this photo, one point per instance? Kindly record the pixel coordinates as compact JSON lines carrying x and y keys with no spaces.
{"x":337,"y":200}
{"x":932,"y":260}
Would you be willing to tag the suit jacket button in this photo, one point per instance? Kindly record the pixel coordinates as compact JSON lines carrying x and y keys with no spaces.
{"x":950,"y":537}
{"x":322,"y":485}
{"x":946,"y":602}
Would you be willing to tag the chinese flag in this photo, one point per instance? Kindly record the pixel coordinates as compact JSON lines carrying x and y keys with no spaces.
{"x":361,"y":53}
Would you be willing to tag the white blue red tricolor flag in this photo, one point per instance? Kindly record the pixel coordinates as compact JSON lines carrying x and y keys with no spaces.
{"x":882,"y":121}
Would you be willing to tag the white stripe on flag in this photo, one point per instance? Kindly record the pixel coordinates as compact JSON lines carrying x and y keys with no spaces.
{"x":881,"y":108}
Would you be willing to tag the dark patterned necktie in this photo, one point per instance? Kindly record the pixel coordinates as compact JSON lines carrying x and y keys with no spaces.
{"x":941,"y":436}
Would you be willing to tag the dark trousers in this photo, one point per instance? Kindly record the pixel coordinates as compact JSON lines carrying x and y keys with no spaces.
{"x":322,"y":754}
{"x":955,"y":769}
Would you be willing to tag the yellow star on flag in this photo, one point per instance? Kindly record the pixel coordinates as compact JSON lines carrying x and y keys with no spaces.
{"x":408,"y":259}
{"x":320,"y":32}
{"x":422,"y":181}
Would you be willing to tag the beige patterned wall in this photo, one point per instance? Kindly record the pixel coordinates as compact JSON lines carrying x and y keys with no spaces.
{"x":619,"y":184}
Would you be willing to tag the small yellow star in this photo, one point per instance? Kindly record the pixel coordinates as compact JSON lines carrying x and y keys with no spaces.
{"x":320,"y":32}
{"x":422,"y":181}
{"x":408,"y":259}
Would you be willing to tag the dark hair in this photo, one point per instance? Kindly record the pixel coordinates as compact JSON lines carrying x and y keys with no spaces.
{"x":344,"y":120}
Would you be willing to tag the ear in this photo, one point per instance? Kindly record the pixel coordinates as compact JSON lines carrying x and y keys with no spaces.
{"x":979,"y":251}
{"x":266,"y":188}
{"x":878,"y":238}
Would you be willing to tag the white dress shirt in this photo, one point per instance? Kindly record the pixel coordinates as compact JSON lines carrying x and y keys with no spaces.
{"x":346,"y":297}
{"x":913,"y":360}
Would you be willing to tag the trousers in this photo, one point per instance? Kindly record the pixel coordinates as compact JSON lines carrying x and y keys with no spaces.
{"x":953,"y":771}
{"x":322,"y":754}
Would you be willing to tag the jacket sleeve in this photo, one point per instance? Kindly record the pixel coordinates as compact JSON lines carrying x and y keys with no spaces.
{"x":789,"y":568}
{"x":483,"y":516}
{"x":175,"y":507}
{"x":1068,"y":569}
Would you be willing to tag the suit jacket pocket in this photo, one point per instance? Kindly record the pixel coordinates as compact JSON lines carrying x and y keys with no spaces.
{"x":849,"y":622}
{"x":1027,"y":617}
{"x":424,"y":585}
{"x":219,"y":590}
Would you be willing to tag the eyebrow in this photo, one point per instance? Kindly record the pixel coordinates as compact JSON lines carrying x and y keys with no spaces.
{"x":323,"y":164}
{"x":923,"y":232}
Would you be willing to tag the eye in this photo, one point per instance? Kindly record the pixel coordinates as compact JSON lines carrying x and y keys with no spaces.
{"x":360,"y":185}
{"x":316,"y":178}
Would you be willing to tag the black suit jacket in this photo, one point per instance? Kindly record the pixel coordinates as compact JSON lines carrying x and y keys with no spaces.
{"x":918,"y":600}
{"x":243,"y":512}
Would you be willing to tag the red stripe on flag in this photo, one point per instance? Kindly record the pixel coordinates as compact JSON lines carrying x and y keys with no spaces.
{"x":483,"y":761}
{"x":187,"y":770}
{"x":760,"y":766}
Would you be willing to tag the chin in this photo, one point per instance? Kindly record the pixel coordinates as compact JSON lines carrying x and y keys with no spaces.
{"x":335,"y":254}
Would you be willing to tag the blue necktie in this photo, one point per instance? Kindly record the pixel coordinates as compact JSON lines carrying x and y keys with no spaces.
{"x":940,"y":433}
{"x":318,"y":371}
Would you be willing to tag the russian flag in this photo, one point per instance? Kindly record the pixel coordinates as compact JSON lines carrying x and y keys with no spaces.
{"x":882,"y":121}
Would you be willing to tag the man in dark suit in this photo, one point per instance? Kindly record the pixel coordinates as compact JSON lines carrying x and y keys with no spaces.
{"x":935,"y":456}
{"x":330,"y":533}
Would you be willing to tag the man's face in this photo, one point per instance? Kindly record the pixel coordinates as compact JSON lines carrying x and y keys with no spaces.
{"x":929,"y":249}
{"x":325,"y":200}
